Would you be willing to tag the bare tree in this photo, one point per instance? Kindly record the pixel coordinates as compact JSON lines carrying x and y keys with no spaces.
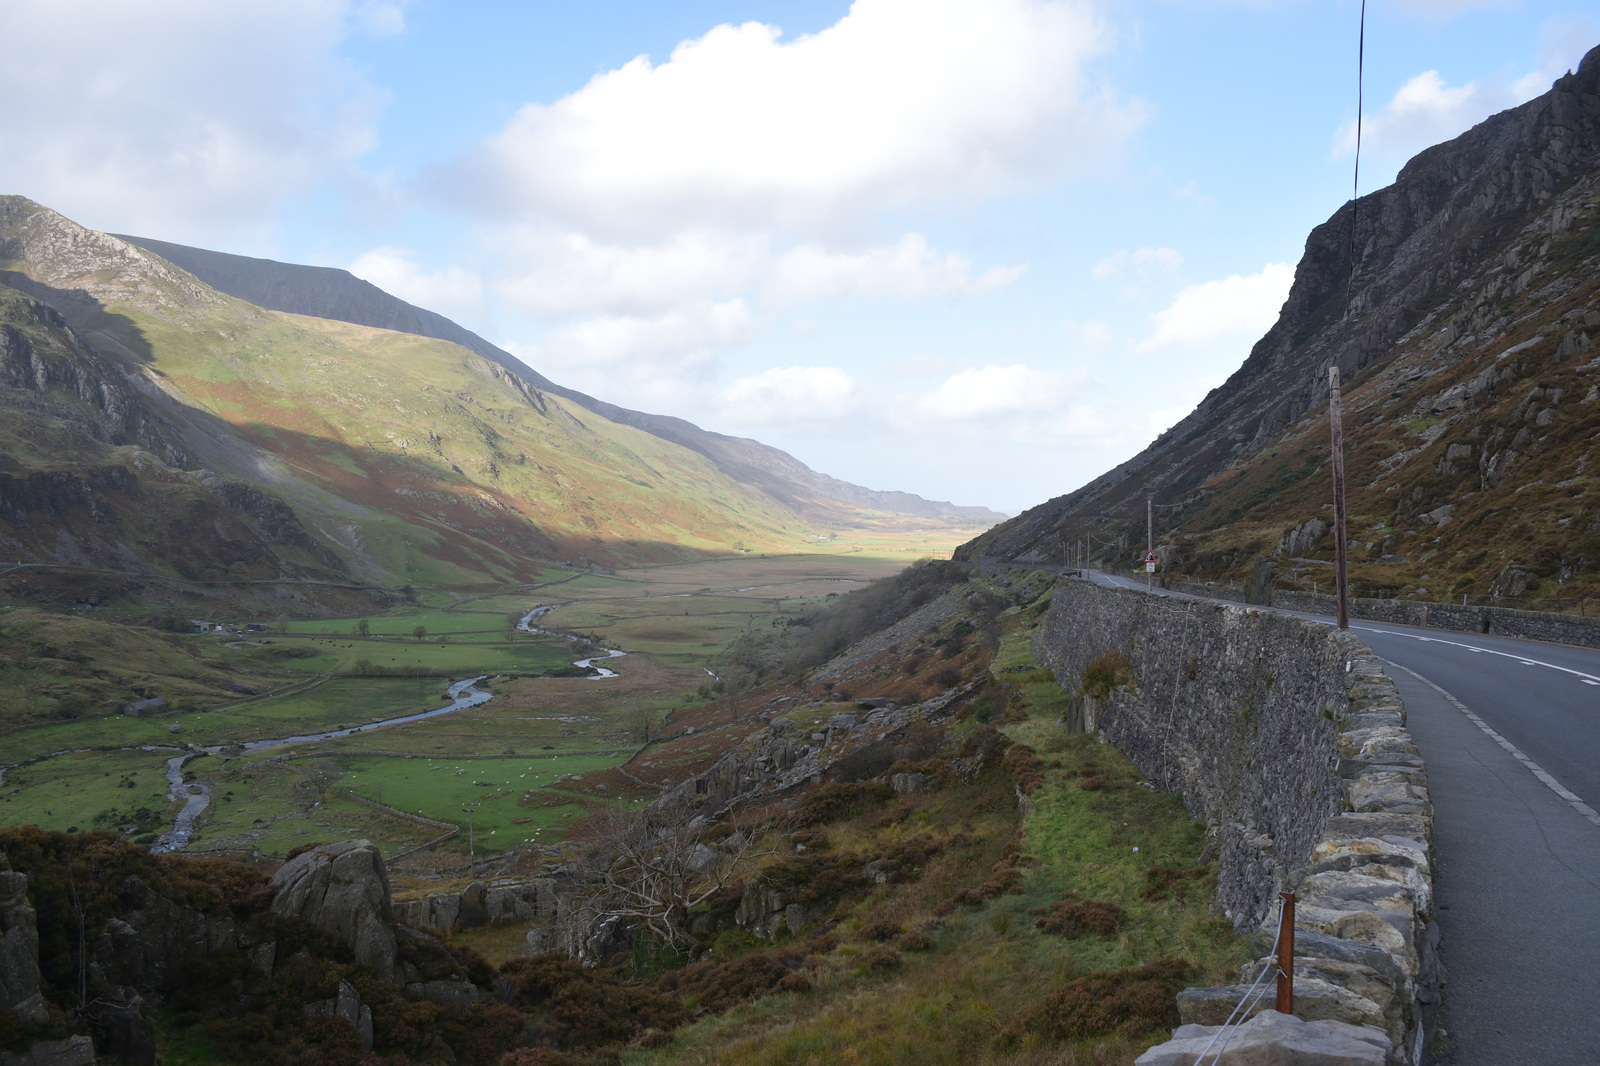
{"x":655,"y":866}
{"x":641,"y":721}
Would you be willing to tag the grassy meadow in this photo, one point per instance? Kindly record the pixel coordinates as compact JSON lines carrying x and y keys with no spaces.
{"x":508,"y":756}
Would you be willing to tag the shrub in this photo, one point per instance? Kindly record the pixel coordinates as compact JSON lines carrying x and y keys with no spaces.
{"x":722,"y":984}
{"x":1131,"y":1002}
{"x":1161,"y":882}
{"x":1075,"y":919}
{"x":836,"y":800}
{"x":586,"y":1010}
{"x":880,"y":930}
{"x":1093,"y":783}
{"x":1025,"y":768}
{"x":881,"y":959}
{"x":1106,"y":672}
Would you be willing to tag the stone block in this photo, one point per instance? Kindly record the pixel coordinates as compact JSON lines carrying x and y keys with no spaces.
{"x":1273,"y":1039}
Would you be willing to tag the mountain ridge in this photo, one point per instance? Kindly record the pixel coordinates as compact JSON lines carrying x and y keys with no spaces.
{"x":333,"y":293}
{"x":159,"y":432}
{"x":1482,"y":249}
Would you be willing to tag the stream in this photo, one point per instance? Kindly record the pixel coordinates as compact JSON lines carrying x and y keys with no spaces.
{"x":196,"y":796}
{"x":527,"y":626}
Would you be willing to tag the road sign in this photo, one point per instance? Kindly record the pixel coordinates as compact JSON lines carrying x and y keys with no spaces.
{"x":1150,"y":562}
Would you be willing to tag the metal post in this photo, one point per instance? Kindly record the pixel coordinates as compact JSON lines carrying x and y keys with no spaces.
{"x":1149,"y":541}
{"x":1342,"y":573}
{"x":1286,"y":954}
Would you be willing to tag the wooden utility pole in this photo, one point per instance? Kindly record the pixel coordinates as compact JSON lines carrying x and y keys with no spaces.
{"x":1149,"y":541}
{"x":1341,"y":571}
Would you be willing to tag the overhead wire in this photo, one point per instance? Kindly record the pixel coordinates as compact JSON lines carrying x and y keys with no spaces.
{"x":1355,"y":181}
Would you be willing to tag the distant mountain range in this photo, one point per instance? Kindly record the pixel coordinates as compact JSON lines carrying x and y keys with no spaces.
{"x":1466,"y":338}
{"x":328,"y":292}
{"x":294,"y":436}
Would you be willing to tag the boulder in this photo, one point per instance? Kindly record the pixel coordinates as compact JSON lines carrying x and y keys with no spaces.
{"x":447,"y":992}
{"x":346,"y":1005}
{"x":19,"y":949}
{"x":760,"y":911}
{"x":911,"y":782}
{"x":73,"y":1051}
{"x":1273,"y":1039}
{"x":342,"y":889}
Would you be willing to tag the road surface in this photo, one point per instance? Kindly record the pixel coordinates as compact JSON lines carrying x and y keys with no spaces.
{"x":1510,"y":731}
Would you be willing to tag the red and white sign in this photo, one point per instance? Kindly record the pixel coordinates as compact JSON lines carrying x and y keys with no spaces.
{"x":1150,"y":562}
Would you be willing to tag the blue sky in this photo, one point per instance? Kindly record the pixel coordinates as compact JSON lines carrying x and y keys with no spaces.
{"x":981,"y":251}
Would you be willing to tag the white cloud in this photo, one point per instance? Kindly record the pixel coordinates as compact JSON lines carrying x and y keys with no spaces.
{"x":453,"y":291}
{"x":1238,"y":307}
{"x":681,"y":342}
{"x":999,"y":391}
{"x":1145,"y":263}
{"x":908,"y":270}
{"x":179,"y":119}
{"x":1089,"y":336}
{"x":1426,"y":110}
{"x":555,"y":276}
{"x":900,"y":101}
{"x":791,"y":394}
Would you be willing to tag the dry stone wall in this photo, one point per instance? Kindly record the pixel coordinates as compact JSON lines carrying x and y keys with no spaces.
{"x":1288,"y":740}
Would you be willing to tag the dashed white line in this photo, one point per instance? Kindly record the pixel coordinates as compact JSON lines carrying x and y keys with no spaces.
{"x":1538,"y":771}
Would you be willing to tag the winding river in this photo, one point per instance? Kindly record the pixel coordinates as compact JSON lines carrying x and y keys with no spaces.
{"x":196,"y":796}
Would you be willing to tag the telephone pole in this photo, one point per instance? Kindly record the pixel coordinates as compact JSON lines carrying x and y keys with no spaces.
{"x":1341,"y":572}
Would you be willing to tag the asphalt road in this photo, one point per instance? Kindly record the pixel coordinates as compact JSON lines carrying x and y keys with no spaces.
{"x":1516,"y":835}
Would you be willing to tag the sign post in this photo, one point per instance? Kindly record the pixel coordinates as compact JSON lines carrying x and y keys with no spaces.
{"x":1150,"y":569}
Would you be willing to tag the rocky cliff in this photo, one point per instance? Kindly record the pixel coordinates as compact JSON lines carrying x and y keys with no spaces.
{"x":1461,"y":307}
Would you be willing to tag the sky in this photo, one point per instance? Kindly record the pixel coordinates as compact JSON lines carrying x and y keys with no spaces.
{"x":980,"y":250}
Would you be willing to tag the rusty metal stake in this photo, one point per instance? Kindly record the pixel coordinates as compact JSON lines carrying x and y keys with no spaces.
{"x":1341,"y":570}
{"x":1286,"y":954}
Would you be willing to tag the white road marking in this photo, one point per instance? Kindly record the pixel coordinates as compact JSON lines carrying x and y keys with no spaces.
{"x":1516,"y":753}
{"x":1588,"y":679}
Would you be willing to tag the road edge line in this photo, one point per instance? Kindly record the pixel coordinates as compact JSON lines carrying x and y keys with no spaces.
{"x":1515,"y":752}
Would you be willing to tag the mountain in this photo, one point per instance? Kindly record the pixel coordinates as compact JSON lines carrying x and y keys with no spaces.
{"x":163,"y":439}
{"x":1465,"y":340}
{"x":327,"y":292}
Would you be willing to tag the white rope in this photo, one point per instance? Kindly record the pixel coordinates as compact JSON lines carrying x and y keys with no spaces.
{"x":1275,"y":970}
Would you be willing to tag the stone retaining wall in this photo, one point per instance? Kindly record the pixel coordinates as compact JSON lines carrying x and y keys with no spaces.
{"x":1458,"y":618}
{"x":1288,"y":741}
{"x":1498,"y":621}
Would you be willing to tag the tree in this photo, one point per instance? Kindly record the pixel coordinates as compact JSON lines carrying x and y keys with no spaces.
{"x":641,"y":721}
{"x":420,"y":632}
{"x":362,"y":628}
{"x":654,"y":867}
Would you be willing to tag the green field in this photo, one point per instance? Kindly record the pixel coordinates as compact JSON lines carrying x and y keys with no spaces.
{"x":87,"y":790}
{"x":672,"y":620}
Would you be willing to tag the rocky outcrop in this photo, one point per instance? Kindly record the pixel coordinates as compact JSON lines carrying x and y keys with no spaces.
{"x":345,"y":1005}
{"x":443,"y":913}
{"x":73,"y":1051}
{"x":155,"y":939}
{"x":342,"y":889}
{"x":19,"y":949}
{"x":1472,"y":286}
